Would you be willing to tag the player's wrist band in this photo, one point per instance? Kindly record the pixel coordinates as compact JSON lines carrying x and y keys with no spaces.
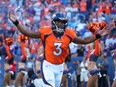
{"x":16,"y":22}
{"x":98,"y":36}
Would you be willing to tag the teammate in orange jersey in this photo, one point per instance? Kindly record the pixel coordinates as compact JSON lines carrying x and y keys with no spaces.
{"x":56,"y":40}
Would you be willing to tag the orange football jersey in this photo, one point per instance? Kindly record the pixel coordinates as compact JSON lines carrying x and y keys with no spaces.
{"x":55,"y":47}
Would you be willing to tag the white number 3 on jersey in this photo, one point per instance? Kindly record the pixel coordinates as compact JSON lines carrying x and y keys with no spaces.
{"x":58,"y":48}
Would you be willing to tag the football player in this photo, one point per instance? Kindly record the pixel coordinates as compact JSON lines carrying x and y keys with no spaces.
{"x":56,"y":40}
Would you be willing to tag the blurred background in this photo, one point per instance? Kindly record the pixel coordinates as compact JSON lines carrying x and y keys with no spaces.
{"x":37,"y":13}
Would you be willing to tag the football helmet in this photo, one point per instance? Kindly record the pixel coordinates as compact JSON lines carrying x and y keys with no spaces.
{"x":59,"y":22}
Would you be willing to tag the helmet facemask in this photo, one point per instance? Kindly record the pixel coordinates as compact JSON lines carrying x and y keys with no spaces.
{"x":59,"y":22}
{"x":59,"y":25}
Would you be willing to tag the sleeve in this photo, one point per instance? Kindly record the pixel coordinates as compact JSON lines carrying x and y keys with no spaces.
{"x":97,"y":48}
{"x":41,"y":30}
{"x":23,"y":50}
{"x":44,"y":30}
{"x":71,"y":33}
{"x":8,"y":52}
{"x":89,"y":52}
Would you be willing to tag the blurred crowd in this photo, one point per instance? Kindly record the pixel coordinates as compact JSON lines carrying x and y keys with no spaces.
{"x":36,"y":13}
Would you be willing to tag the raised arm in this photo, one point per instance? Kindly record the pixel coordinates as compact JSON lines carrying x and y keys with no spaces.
{"x":23,"y":29}
{"x":90,"y":39}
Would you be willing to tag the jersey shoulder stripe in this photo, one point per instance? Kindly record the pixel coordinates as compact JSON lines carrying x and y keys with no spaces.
{"x":45,"y":30}
{"x":71,"y":33}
